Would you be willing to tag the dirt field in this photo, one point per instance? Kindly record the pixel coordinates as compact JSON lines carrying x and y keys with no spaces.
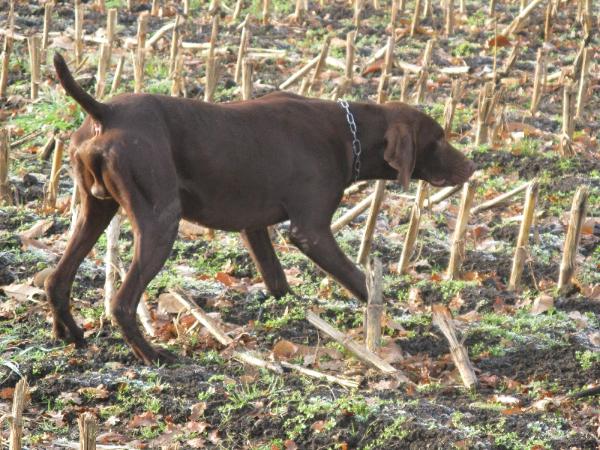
{"x":536,"y":352}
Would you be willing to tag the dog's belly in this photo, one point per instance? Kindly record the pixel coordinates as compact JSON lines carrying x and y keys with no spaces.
{"x":229,"y":214}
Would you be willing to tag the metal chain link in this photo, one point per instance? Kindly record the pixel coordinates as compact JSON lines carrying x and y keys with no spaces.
{"x":356,"y":146}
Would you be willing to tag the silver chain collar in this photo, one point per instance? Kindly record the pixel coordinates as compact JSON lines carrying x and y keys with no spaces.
{"x":356,"y":147}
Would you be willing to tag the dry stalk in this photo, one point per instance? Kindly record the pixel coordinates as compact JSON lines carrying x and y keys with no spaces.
{"x":498,"y":200}
{"x":266,"y":16}
{"x":237,"y":10}
{"x":548,"y":23}
{"x":449,"y":17}
{"x":101,"y":6}
{"x":363,"y":354}
{"x":5,"y":197}
{"x":298,"y":15}
{"x":450,"y":107}
{"x":174,"y":48}
{"x":88,"y":429}
{"x":492,"y":8}
{"x":567,"y":266}
{"x":413,"y":228}
{"x":404,"y":88}
{"x":20,"y":398}
{"x":539,"y":80}
{"x":587,"y":17}
{"x":415,"y":19}
{"x":186,"y":7}
{"x":458,"y":239}
{"x":241,"y":54}
{"x":374,"y":309}
{"x":213,"y":328}
{"x":518,"y":21}
{"x":215,"y":7}
{"x":583,"y":83}
{"x":214,"y":34}
{"x":577,"y":63}
{"x":484,"y":112}
{"x":142,"y":29}
{"x":33,"y":44}
{"x":111,"y":262}
{"x":129,"y":5}
{"x":566,"y":138}
{"x":321,"y":376}
{"x":103,"y":64}
{"x":247,"y":69}
{"x":138,"y":58}
{"x":358,"y":9}
{"x":78,"y":33}
{"x":394,"y":15}
{"x":401,"y":6}
{"x":421,"y":86}
{"x":47,"y":24}
{"x":510,"y":61}
{"x":442,"y":318}
{"x":522,"y":241}
{"x":440,"y":196}
{"x":462,"y":7}
{"x":320,"y":63}
{"x":212,"y":76}
{"x":367,"y":239}
{"x":116,"y":82}
{"x":6,"y":51}
{"x":299,"y":74}
{"x":52,"y":190}
{"x":155,"y":6}
{"x":349,"y":70}
{"x":177,"y":88}
{"x":351,"y":214}
{"x":46,"y":151}
{"x":111,"y":29}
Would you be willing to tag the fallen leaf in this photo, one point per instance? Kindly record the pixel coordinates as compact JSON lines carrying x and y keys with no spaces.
{"x":36,"y":231}
{"x":146,"y":419}
{"x":98,"y":393}
{"x":595,"y":338}
{"x":290,"y":445}
{"x":498,"y":41}
{"x":226,"y":279}
{"x":580,"y":320}
{"x":197,"y":410}
{"x":542,"y":304}
{"x":110,"y":438}
{"x":22,"y":292}
{"x":318,"y":426}
{"x":285,"y":349}
{"x":196,"y":427}
{"x":7,"y":393}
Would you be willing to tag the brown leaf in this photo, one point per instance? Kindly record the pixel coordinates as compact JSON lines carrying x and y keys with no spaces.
{"x":7,"y":393}
{"x":226,"y":279}
{"x":197,"y":410}
{"x":110,"y":438}
{"x":146,"y":419}
{"x":290,"y":445}
{"x":98,"y":393}
{"x":22,"y":292}
{"x":318,"y":426}
{"x":285,"y":349}
{"x":498,"y":41}
{"x":196,"y":427}
{"x":542,"y":304}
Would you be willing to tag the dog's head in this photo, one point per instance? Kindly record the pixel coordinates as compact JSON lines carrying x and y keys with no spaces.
{"x":415,"y":146}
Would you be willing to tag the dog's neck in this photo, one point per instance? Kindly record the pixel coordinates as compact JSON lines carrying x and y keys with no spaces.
{"x":371,"y":126}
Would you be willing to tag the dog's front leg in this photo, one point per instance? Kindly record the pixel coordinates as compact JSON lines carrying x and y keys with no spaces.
{"x":261,"y":250}
{"x":93,"y":218}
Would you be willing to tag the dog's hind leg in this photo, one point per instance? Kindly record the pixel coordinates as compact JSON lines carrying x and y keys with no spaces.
{"x":154,"y":222}
{"x":261,"y":250}
{"x":93,"y":218}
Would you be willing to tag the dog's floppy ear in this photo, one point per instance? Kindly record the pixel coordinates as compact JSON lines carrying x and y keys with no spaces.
{"x":400,"y":151}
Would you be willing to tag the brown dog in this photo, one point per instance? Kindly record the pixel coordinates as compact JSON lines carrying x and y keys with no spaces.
{"x":239,"y":166}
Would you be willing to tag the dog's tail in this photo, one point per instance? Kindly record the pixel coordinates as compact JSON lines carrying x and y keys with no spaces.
{"x":94,"y":108}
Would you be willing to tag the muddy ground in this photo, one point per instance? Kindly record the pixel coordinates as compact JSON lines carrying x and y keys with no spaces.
{"x":536,"y":352}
